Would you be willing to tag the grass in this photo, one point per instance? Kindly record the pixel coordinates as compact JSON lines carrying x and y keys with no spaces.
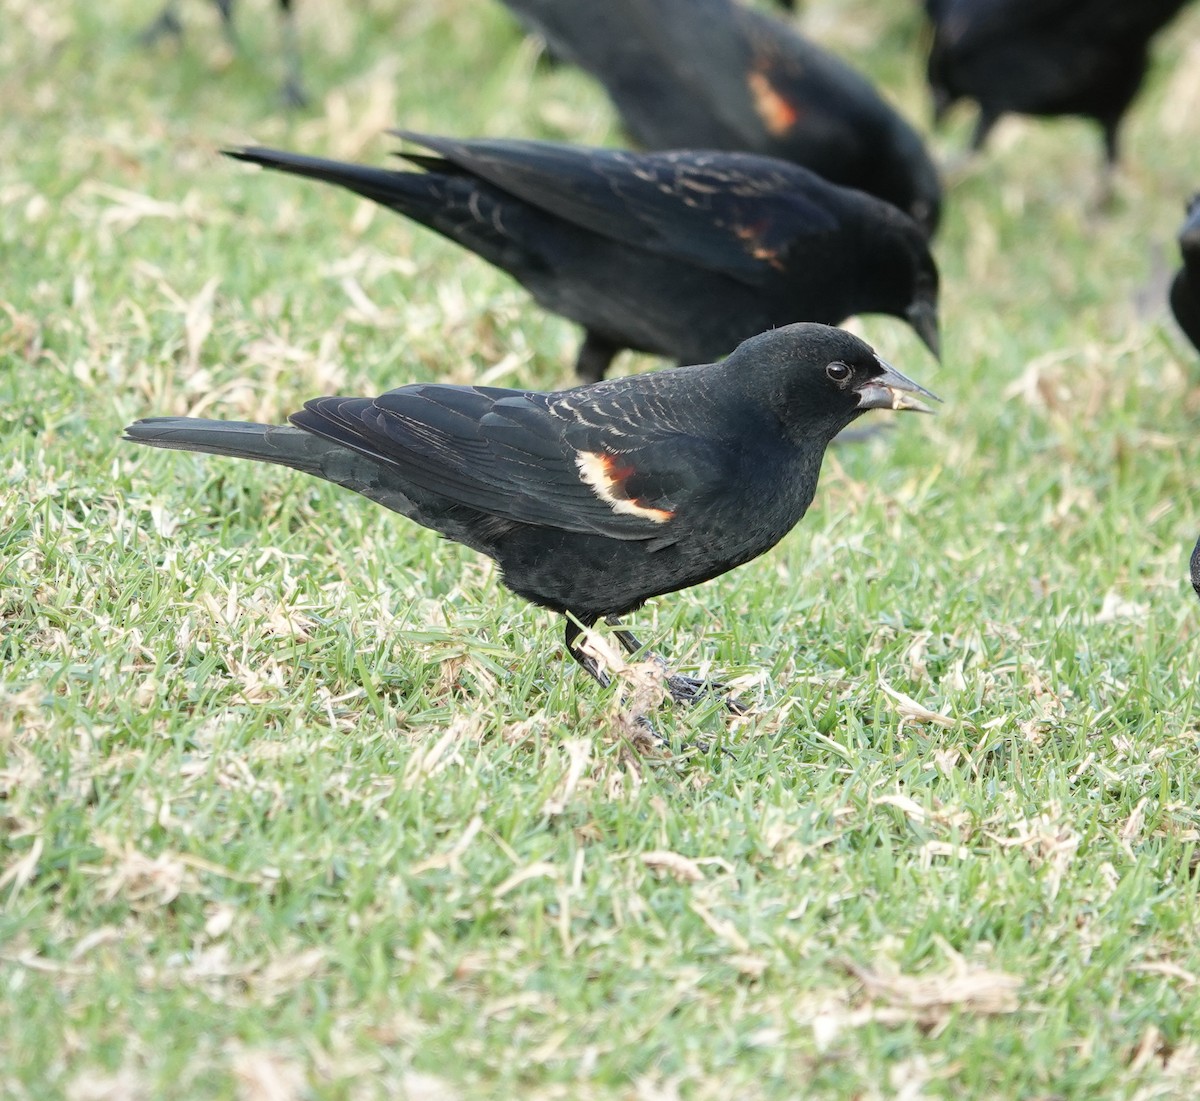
{"x":298,"y":802}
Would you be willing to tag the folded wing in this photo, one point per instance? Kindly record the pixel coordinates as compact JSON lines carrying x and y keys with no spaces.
{"x":509,"y":455}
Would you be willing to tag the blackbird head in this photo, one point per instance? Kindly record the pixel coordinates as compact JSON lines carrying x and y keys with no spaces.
{"x":817,"y":379}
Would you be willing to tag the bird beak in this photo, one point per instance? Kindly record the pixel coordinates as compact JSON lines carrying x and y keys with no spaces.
{"x":922,"y":315}
{"x":892,"y":390}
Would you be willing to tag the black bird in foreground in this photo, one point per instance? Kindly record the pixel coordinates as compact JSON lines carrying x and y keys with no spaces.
{"x":1185,"y":287}
{"x":595,"y":499}
{"x":1196,"y":568}
{"x":1043,"y":57}
{"x":716,"y":74}
{"x":679,"y":254}
{"x":168,"y":23}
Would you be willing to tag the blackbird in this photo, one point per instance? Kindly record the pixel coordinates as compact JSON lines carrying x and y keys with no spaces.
{"x":1185,"y":287}
{"x":595,"y":499}
{"x":1196,"y":567}
{"x":169,"y":23}
{"x":716,"y":74}
{"x":1043,"y":57}
{"x":679,"y":254}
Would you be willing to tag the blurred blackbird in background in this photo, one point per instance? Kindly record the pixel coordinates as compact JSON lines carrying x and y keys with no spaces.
{"x":595,"y":499}
{"x":1043,"y":57}
{"x":679,"y":254}
{"x":715,"y":74}
{"x":1185,"y":288}
{"x":168,"y":23}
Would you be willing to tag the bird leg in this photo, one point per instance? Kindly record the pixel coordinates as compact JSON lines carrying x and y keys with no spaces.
{"x":591,"y":666}
{"x":683,"y":689}
{"x":595,"y":357}
{"x":983,"y":127}
{"x":1110,"y":141}
{"x":166,"y":24}
{"x":1106,"y":196}
{"x":225,"y":10}
{"x":961,"y":164}
{"x":293,"y":91}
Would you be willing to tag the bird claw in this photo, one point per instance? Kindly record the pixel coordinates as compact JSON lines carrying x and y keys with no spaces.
{"x":644,"y":726}
{"x":691,"y":690}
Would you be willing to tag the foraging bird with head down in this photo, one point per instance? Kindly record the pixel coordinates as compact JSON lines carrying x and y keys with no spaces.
{"x":717,"y":74}
{"x":679,"y":254}
{"x":595,"y":499}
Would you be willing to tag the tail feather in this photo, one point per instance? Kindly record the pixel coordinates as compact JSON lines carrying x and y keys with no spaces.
{"x":281,"y":444}
{"x":447,"y":199}
{"x":408,"y":193}
{"x":269,"y":443}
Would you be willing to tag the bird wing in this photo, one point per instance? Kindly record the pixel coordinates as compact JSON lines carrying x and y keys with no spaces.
{"x":525,"y":457}
{"x":737,"y":214}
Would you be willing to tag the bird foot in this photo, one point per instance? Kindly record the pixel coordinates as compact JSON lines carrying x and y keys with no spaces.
{"x":644,"y":727}
{"x":691,"y":690}
{"x":682,"y":689}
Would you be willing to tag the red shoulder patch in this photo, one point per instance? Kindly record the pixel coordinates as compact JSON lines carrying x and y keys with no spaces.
{"x":608,"y":477}
{"x":778,"y":115}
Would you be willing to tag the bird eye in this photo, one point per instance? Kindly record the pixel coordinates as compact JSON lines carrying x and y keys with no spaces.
{"x":837,"y":372}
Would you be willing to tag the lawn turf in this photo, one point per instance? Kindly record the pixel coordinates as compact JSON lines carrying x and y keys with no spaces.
{"x":296,"y":801}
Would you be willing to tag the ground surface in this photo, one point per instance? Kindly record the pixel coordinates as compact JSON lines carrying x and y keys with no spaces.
{"x":297,"y":802}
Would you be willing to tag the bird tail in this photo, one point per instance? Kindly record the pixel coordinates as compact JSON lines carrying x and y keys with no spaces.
{"x":281,"y":444}
{"x":270,"y":443}
{"x":445,"y":197}
{"x":410,"y":193}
